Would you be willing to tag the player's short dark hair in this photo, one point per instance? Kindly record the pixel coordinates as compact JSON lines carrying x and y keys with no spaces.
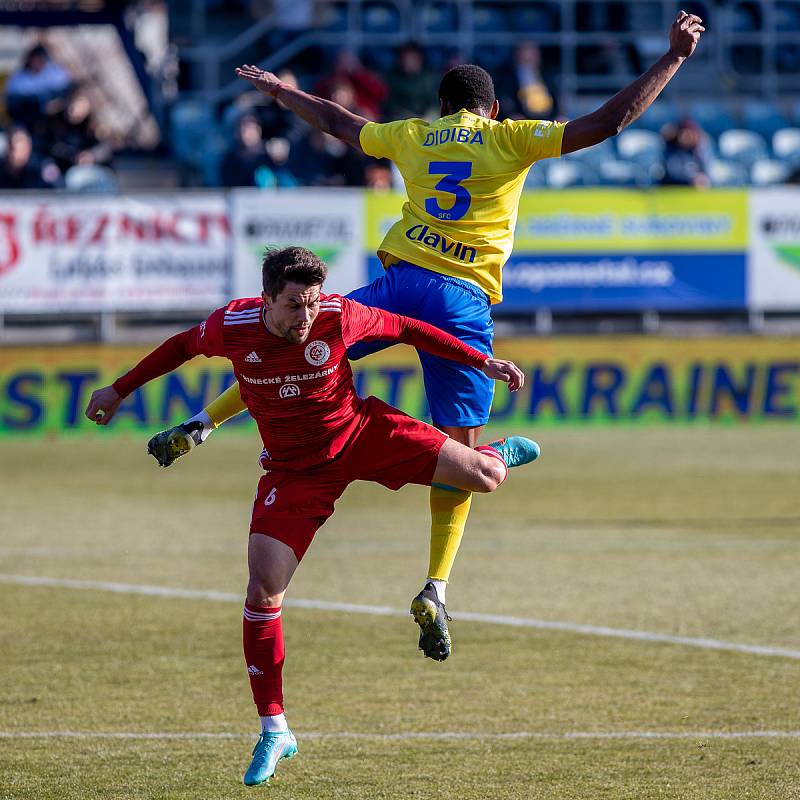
{"x":467,"y":86}
{"x":296,"y":264}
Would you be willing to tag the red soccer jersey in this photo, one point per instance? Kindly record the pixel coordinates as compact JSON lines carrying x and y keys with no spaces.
{"x":301,"y":395}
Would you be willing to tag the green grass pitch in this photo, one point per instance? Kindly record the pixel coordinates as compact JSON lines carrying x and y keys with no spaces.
{"x":686,"y":532}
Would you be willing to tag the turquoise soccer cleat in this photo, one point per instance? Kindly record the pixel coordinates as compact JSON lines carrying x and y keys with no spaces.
{"x":269,"y":750}
{"x":516,"y":451}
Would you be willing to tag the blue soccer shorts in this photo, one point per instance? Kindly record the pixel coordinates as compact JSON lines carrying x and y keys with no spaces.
{"x":458,"y":395}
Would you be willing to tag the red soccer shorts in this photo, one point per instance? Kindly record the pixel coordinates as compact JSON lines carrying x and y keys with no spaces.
{"x":391,"y":448}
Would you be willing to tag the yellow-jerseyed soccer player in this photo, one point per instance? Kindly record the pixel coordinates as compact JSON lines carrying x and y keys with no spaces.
{"x":463,"y":174}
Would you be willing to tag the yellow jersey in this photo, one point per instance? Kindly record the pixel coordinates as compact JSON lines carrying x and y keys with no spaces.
{"x":464,"y":176}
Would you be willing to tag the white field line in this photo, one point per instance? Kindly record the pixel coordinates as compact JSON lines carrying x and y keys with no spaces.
{"x":386,"y":611}
{"x":410,"y":735}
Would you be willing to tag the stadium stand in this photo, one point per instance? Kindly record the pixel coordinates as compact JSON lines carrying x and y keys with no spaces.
{"x":119,"y":96}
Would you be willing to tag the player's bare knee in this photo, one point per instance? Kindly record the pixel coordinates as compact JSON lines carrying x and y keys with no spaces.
{"x":261,"y":593}
{"x":490,"y":474}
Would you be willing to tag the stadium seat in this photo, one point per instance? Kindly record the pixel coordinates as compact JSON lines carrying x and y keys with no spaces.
{"x":747,"y":59}
{"x":190,"y":121}
{"x":787,"y":58}
{"x":769,"y":172}
{"x":230,"y":118}
{"x":537,"y":176}
{"x":642,"y":146}
{"x":763,"y":117}
{"x":786,"y":145}
{"x":621,"y":173}
{"x":564,"y":173}
{"x":535,"y":17}
{"x":91,"y":178}
{"x":334,"y":18}
{"x":727,"y":173}
{"x":714,"y":118}
{"x":745,"y":147}
{"x":787,"y":16}
{"x":215,"y":145}
{"x":438,"y":17}
{"x":658,"y":115}
{"x":381,"y":18}
{"x":382,"y":58}
{"x":744,"y":17}
{"x":490,"y":18}
{"x":593,"y":156}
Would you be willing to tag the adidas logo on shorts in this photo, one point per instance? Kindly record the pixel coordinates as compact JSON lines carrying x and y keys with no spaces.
{"x":253,"y":358}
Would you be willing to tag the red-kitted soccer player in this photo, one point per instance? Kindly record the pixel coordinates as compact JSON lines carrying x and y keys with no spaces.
{"x":288,"y":350}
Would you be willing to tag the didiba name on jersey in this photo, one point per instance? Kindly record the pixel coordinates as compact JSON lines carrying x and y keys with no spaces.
{"x":440,"y":243}
{"x":462,"y":135}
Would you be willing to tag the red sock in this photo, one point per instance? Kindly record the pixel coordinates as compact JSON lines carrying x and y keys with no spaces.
{"x":490,"y":451}
{"x":262,"y":637}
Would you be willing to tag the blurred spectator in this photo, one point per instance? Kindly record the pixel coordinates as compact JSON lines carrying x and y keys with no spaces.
{"x":323,"y":160}
{"x":150,"y":24}
{"x":30,"y":88}
{"x":278,"y":174}
{"x":412,"y":86}
{"x":22,"y":168}
{"x":378,"y":175}
{"x":343,"y":92}
{"x":686,"y":155}
{"x":521,"y":89}
{"x":72,"y":137}
{"x":246,"y":155}
{"x":276,"y":120}
{"x":369,"y":90}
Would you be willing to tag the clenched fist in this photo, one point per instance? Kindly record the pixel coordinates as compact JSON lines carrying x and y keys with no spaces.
{"x":685,"y":34}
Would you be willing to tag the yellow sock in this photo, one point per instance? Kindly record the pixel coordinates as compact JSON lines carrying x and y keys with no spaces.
{"x":449,"y":512}
{"x":227,"y":405}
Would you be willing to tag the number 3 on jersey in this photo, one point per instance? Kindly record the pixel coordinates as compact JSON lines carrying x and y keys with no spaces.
{"x":454,"y":172}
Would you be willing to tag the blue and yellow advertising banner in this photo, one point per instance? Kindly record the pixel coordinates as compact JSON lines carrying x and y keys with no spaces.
{"x":616,"y":250}
{"x":597,"y":380}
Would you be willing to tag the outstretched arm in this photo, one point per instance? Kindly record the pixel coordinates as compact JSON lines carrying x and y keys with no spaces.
{"x":363,"y":323}
{"x":325,"y":115}
{"x":203,"y":339}
{"x":628,"y":105}
{"x":104,"y":402}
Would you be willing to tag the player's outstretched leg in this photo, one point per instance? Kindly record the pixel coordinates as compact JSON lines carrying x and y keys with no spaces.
{"x":459,"y":468}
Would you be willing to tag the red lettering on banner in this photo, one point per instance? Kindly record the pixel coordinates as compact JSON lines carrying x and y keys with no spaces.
{"x":96,"y":227}
{"x":100,"y":227}
{"x":9,"y":255}
{"x":43,"y":226}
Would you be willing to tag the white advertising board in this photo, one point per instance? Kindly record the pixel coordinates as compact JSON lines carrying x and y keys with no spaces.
{"x":62,"y":253}
{"x":774,"y":251}
{"x":329,"y":222}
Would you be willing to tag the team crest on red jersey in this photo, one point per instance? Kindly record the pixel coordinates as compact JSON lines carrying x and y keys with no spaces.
{"x":317,"y":352}
{"x":289,"y":390}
